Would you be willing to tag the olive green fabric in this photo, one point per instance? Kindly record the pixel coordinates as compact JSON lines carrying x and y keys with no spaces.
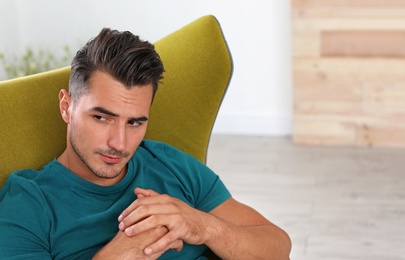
{"x":31,"y":129}
{"x":198,"y":70}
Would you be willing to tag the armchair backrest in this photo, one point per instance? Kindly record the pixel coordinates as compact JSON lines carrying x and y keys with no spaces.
{"x":198,"y":70}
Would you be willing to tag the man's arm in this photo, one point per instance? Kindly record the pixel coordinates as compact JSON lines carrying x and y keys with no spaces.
{"x":232,"y":230}
{"x":125,"y":247}
{"x":240,"y":232}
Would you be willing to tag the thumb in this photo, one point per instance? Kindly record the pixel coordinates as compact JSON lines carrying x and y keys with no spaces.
{"x":141,"y":193}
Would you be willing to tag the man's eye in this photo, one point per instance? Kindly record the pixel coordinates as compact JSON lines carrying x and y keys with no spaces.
{"x":100,"y":118}
{"x":134,"y":123}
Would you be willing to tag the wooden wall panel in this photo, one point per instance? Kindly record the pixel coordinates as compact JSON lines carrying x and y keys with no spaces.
{"x":365,"y":43}
{"x":307,"y":32}
{"x":304,"y":4}
{"x":349,"y":72}
{"x":349,"y":8}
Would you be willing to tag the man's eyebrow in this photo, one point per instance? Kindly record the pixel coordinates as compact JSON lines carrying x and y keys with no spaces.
{"x":110,"y":113}
{"x":104,"y":111}
{"x":139,"y":119}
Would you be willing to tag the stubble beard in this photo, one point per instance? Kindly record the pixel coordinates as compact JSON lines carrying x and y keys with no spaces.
{"x":106,"y":171}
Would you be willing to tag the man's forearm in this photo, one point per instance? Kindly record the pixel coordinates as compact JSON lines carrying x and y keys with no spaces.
{"x":230,"y":241}
{"x":124,"y":247}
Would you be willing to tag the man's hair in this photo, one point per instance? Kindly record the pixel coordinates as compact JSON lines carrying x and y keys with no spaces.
{"x":122,"y":55}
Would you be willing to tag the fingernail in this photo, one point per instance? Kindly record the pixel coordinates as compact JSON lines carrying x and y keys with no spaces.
{"x":148,"y":251}
{"x":128,"y":231}
{"x":121,"y":226}
{"x":120,"y":217}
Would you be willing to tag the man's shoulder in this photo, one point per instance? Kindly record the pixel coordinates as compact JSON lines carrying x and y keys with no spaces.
{"x":168,"y":153}
{"x":20,"y":184}
{"x":156,"y":145}
{"x":158,"y":154}
{"x":25,"y":177}
{"x":161,"y":148}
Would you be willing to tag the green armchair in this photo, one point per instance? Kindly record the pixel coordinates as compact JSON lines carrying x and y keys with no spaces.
{"x":198,"y":68}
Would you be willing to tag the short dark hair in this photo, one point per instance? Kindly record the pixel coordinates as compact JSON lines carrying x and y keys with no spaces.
{"x":122,"y":55}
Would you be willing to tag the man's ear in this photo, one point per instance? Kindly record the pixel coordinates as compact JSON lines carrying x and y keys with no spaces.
{"x":65,"y":105}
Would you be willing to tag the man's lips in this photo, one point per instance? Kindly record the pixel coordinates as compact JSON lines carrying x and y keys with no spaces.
{"x":110,"y":159}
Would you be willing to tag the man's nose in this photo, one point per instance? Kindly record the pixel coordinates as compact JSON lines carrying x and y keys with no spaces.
{"x":117,"y":138}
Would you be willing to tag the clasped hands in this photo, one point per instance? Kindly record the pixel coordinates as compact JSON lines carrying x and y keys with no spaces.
{"x":152,"y":210}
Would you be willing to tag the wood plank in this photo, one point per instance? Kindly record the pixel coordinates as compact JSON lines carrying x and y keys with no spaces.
{"x":363,"y":43}
{"x":310,"y":72}
{"x":380,"y":135}
{"x":319,"y":24}
{"x":349,"y":12}
{"x":322,"y":131}
{"x":326,"y":106}
{"x":347,"y":86}
{"x":301,"y":4}
{"x":386,"y":100}
{"x":307,"y":33}
{"x":353,"y":131}
{"x":306,"y":44}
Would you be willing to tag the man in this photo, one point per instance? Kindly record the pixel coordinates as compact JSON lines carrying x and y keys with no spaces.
{"x":113,"y":195}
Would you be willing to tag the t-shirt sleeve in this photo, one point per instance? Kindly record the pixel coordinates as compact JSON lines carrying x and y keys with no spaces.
{"x":204,"y":189}
{"x":212,"y":195}
{"x":23,"y":221}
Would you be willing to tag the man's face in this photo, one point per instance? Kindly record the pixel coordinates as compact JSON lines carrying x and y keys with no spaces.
{"x":105,"y":128}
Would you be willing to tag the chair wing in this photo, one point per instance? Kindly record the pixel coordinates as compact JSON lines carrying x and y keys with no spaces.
{"x":31,"y":129}
{"x":198,"y":70}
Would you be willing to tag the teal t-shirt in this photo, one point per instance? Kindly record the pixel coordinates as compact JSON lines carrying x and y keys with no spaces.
{"x":54,"y":214}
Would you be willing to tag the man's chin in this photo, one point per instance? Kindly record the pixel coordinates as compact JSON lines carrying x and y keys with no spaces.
{"x":110,"y":171}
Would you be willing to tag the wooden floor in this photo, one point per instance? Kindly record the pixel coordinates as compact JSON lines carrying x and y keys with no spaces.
{"x":335,"y":203}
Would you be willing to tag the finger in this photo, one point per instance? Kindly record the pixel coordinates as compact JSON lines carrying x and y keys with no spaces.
{"x":145,"y":207}
{"x":177,"y":245}
{"x":168,"y":241}
{"x":145,"y":192}
{"x":153,"y":236}
{"x":148,"y":217}
{"x":128,"y":210}
{"x":140,"y":193}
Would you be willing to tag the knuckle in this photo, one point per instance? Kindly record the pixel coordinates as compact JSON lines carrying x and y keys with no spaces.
{"x":153,"y":220}
{"x":143,"y":211}
{"x":178,"y":244}
{"x":165,"y":197}
{"x":168,"y":239}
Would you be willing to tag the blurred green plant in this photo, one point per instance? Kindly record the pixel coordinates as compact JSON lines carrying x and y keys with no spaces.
{"x":32,"y":62}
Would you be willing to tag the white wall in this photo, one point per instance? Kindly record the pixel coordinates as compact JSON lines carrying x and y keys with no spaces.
{"x":258,"y":101}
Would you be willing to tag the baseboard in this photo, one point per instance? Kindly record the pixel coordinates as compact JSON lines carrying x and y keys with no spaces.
{"x":253,"y":125}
